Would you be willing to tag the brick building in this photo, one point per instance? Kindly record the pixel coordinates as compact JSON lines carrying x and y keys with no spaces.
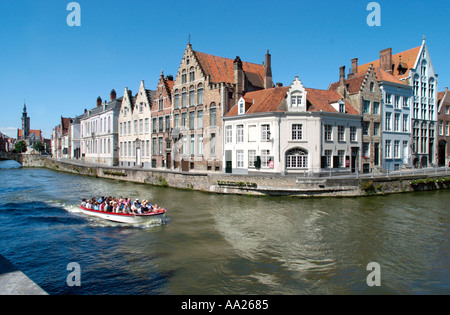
{"x":205,"y":89}
{"x":161,"y":111}
{"x":444,"y":128}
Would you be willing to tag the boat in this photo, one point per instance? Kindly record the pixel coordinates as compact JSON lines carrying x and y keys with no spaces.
{"x":151,"y":217}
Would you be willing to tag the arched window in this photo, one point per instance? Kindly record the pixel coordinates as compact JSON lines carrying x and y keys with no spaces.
{"x":424,"y":67}
{"x":200,"y":94}
{"x":296,"y":158}
{"x":431,"y":88}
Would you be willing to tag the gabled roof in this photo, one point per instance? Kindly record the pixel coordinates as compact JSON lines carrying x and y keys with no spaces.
{"x":321,"y":100}
{"x":263,"y":101}
{"x":405,"y":58}
{"x":270,"y":100}
{"x":221,"y":69}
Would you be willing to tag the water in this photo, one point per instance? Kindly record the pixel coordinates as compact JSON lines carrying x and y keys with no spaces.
{"x":219,"y":244}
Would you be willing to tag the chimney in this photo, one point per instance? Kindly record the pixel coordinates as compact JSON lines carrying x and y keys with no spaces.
{"x":341,"y":87}
{"x":386,"y":60}
{"x":268,"y":83}
{"x":354,"y":65}
{"x":113,"y":95}
{"x":99,"y":101}
{"x":238,"y":78}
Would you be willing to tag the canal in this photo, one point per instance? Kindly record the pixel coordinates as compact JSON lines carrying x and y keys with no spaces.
{"x":222,"y":244}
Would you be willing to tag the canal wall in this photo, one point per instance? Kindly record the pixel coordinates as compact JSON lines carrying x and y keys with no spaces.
{"x":288,"y":185}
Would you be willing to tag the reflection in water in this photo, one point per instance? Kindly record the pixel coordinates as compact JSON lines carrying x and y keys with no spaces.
{"x":216,"y":244}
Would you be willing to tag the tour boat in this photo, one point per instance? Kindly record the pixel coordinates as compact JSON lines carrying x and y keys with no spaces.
{"x":150,"y":217}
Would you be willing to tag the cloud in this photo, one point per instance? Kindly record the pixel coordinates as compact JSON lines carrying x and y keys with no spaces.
{"x":9,"y":131}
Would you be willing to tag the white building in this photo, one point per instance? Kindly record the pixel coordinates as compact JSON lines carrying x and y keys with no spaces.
{"x":134,"y":122}
{"x":99,"y":132}
{"x":292,"y":130}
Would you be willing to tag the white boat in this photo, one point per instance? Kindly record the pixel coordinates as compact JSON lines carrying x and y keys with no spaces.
{"x":152,"y":217}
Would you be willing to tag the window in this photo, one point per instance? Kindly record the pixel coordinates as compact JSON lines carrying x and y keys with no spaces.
{"x":366,"y":126}
{"x":388,"y":126}
{"x":184,"y":99}
{"x":353,"y":134}
{"x":177,"y":101}
{"x":388,"y":99}
{"x":160,"y":146}
{"x":416,"y":85}
{"x":252,"y":133}
{"x":212,"y":116}
{"x":191,"y":96}
{"x":365,"y":150}
{"x":447,"y":131}
{"x":135,"y":127}
{"x":183,"y":77}
{"x":424,"y":68}
{"x":184,"y":120}
{"x":200,"y":95}
{"x":240,"y":158}
{"x":328,"y":155}
{"x":341,"y":158}
{"x":416,"y":110}
{"x":200,"y":119}
{"x":441,"y":128}
{"x":251,"y":158}
{"x":405,"y":101}
{"x":191,"y":74}
{"x":184,"y":146}
{"x":176,"y":120}
{"x":297,"y":132}
{"x":141,"y":126}
{"x":265,"y":158}
{"x":341,"y":133}
{"x":296,"y":99}
{"x":192,"y":148}
{"x":396,"y":101}
{"x":366,"y":107}
{"x":191,"y":120}
{"x":228,"y":134}
{"x":405,"y":123}
{"x":396,"y":148}
{"x":265,"y":132}
{"x":447,"y":110}
{"x":387,"y":149}
{"x":431,"y":88}
{"x":147,"y":125}
{"x":397,"y":122}
{"x":296,"y":158}
{"x":161,"y":124}
{"x":239,"y":133}
{"x":328,"y":132}
{"x":148,"y":148}
{"x":167,"y":119}
{"x":160,"y":104}
{"x":200,"y":145}
{"x":154,"y":125}
{"x":376,"y":129}
{"x":212,"y":145}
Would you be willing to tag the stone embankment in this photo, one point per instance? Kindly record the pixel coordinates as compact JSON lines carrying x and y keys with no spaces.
{"x":290,"y":185}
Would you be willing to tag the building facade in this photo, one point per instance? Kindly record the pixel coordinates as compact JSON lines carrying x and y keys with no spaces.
{"x":134,"y":122}
{"x":161,"y":113}
{"x":99,"y":132}
{"x":292,"y":130}
{"x":443,"y":147}
{"x":204,"y":90}
{"x":362,"y":90}
{"x":415,"y":68}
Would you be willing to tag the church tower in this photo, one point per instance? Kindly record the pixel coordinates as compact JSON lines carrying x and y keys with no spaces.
{"x":25,"y":123}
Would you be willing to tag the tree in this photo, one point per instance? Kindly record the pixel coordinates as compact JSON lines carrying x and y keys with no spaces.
{"x":20,"y":146}
{"x":39,"y":147}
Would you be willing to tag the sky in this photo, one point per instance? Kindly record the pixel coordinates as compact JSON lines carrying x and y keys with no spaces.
{"x":60,"y":70}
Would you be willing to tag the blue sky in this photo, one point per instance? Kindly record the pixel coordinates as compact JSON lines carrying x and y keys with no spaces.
{"x":61,"y":70}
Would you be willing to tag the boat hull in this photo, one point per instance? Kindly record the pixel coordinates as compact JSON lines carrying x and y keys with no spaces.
{"x":126,"y":218}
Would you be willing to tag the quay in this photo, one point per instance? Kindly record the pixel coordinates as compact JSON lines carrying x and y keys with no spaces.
{"x":15,"y":282}
{"x":331,"y":185}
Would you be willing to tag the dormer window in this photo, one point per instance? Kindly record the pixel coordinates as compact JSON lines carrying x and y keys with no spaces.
{"x":341,"y":107}
{"x":241,"y":107}
{"x":296,"y":99}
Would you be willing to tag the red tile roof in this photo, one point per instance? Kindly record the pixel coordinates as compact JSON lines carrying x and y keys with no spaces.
{"x":270,"y":100}
{"x":220,"y":69}
{"x":405,"y":58}
{"x":321,"y":100}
